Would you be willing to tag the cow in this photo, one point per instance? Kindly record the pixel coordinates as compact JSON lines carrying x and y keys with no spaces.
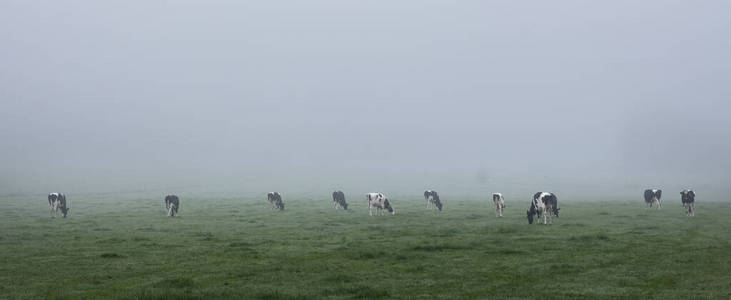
{"x":432,"y":197}
{"x":172,"y":205}
{"x":499,"y":201}
{"x":687,"y":196}
{"x":380,"y":202}
{"x":275,"y":200}
{"x":652,"y":196}
{"x":544,"y":204}
{"x":339,"y":200}
{"x":58,"y":201}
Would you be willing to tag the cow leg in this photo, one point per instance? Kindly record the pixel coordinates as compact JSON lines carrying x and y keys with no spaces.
{"x":370,"y":210}
{"x":550,"y":214}
{"x":544,"y":219}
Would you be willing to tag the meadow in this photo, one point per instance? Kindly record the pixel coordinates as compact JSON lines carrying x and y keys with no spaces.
{"x":238,"y":248}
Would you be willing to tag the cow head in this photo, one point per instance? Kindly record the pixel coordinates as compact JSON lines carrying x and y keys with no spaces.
{"x":345,"y":205}
{"x":65,"y":211}
{"x":387,"y":206}
{"x":438,"y":204}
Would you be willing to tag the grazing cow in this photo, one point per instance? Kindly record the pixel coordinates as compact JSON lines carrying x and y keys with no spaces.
{"x":58,"y":201}
{"x":380,"y":202}
{"x":544,"y":204}
{"x":275,"y":200}
{"x":688,"y":198}
{"x":172,"y":204}
{"x":499,"y":201}
{"x":339,"y":200}
{"x":652,"y":196}
{"x":432,"y":197}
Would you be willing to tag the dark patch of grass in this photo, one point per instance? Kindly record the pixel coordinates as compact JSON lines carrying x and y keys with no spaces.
{"x":573,"y":224}
{"x":601,"y":236}
{"x":339,"y":278}
{"x":564,"y":268}
{"x":110,"y":255}
{"x":439,"y":247}
{"x":603,"y":213}
{"x":114,"y":240}
{"x":504,"y":251}
{"x":205,"y":236}
{"x":371,"y":254}
{"x":648,"y":227}
{"x":446,"y":232}
{"x":175,"y":283}
{"x":161,"y":294}
{"x":240,"y":244}
{"x":363,"y":292}
{"x":503,"y":229}
{"x":664,"y":281}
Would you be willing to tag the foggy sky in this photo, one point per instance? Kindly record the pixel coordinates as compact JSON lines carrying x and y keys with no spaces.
{"x":368,"y":95}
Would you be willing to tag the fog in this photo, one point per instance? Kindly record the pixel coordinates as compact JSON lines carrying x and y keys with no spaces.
{"x":465,"y":97}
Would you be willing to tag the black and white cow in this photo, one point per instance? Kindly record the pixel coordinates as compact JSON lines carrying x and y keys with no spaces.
{"x":380,"y":202}
{"x":172,"y":204}
{"x":499,"y":201}
{"x":687,"y":196}
{"x":652,"y":196}
{"x":58,"y":201}
{"x":432,"y":198}
{"x":544,"y":204}
{"x":275,"y":200}
{"x":339,"y":200}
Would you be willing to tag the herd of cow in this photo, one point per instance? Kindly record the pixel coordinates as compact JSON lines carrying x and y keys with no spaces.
{"x":544,"y":204}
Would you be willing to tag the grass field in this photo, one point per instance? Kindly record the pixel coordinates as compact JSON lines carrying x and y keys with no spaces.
{"x":238,"y":248}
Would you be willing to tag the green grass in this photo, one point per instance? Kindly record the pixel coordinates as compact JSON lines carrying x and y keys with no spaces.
{"x":238,"y":248}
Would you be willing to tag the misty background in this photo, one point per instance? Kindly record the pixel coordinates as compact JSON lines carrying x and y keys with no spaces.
{"x":465,"y":97}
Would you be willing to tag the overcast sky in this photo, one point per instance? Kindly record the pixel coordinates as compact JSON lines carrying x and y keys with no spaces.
{"x":367,"y":95}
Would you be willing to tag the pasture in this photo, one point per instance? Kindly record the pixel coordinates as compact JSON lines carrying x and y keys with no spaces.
{"x":239,"y":248}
